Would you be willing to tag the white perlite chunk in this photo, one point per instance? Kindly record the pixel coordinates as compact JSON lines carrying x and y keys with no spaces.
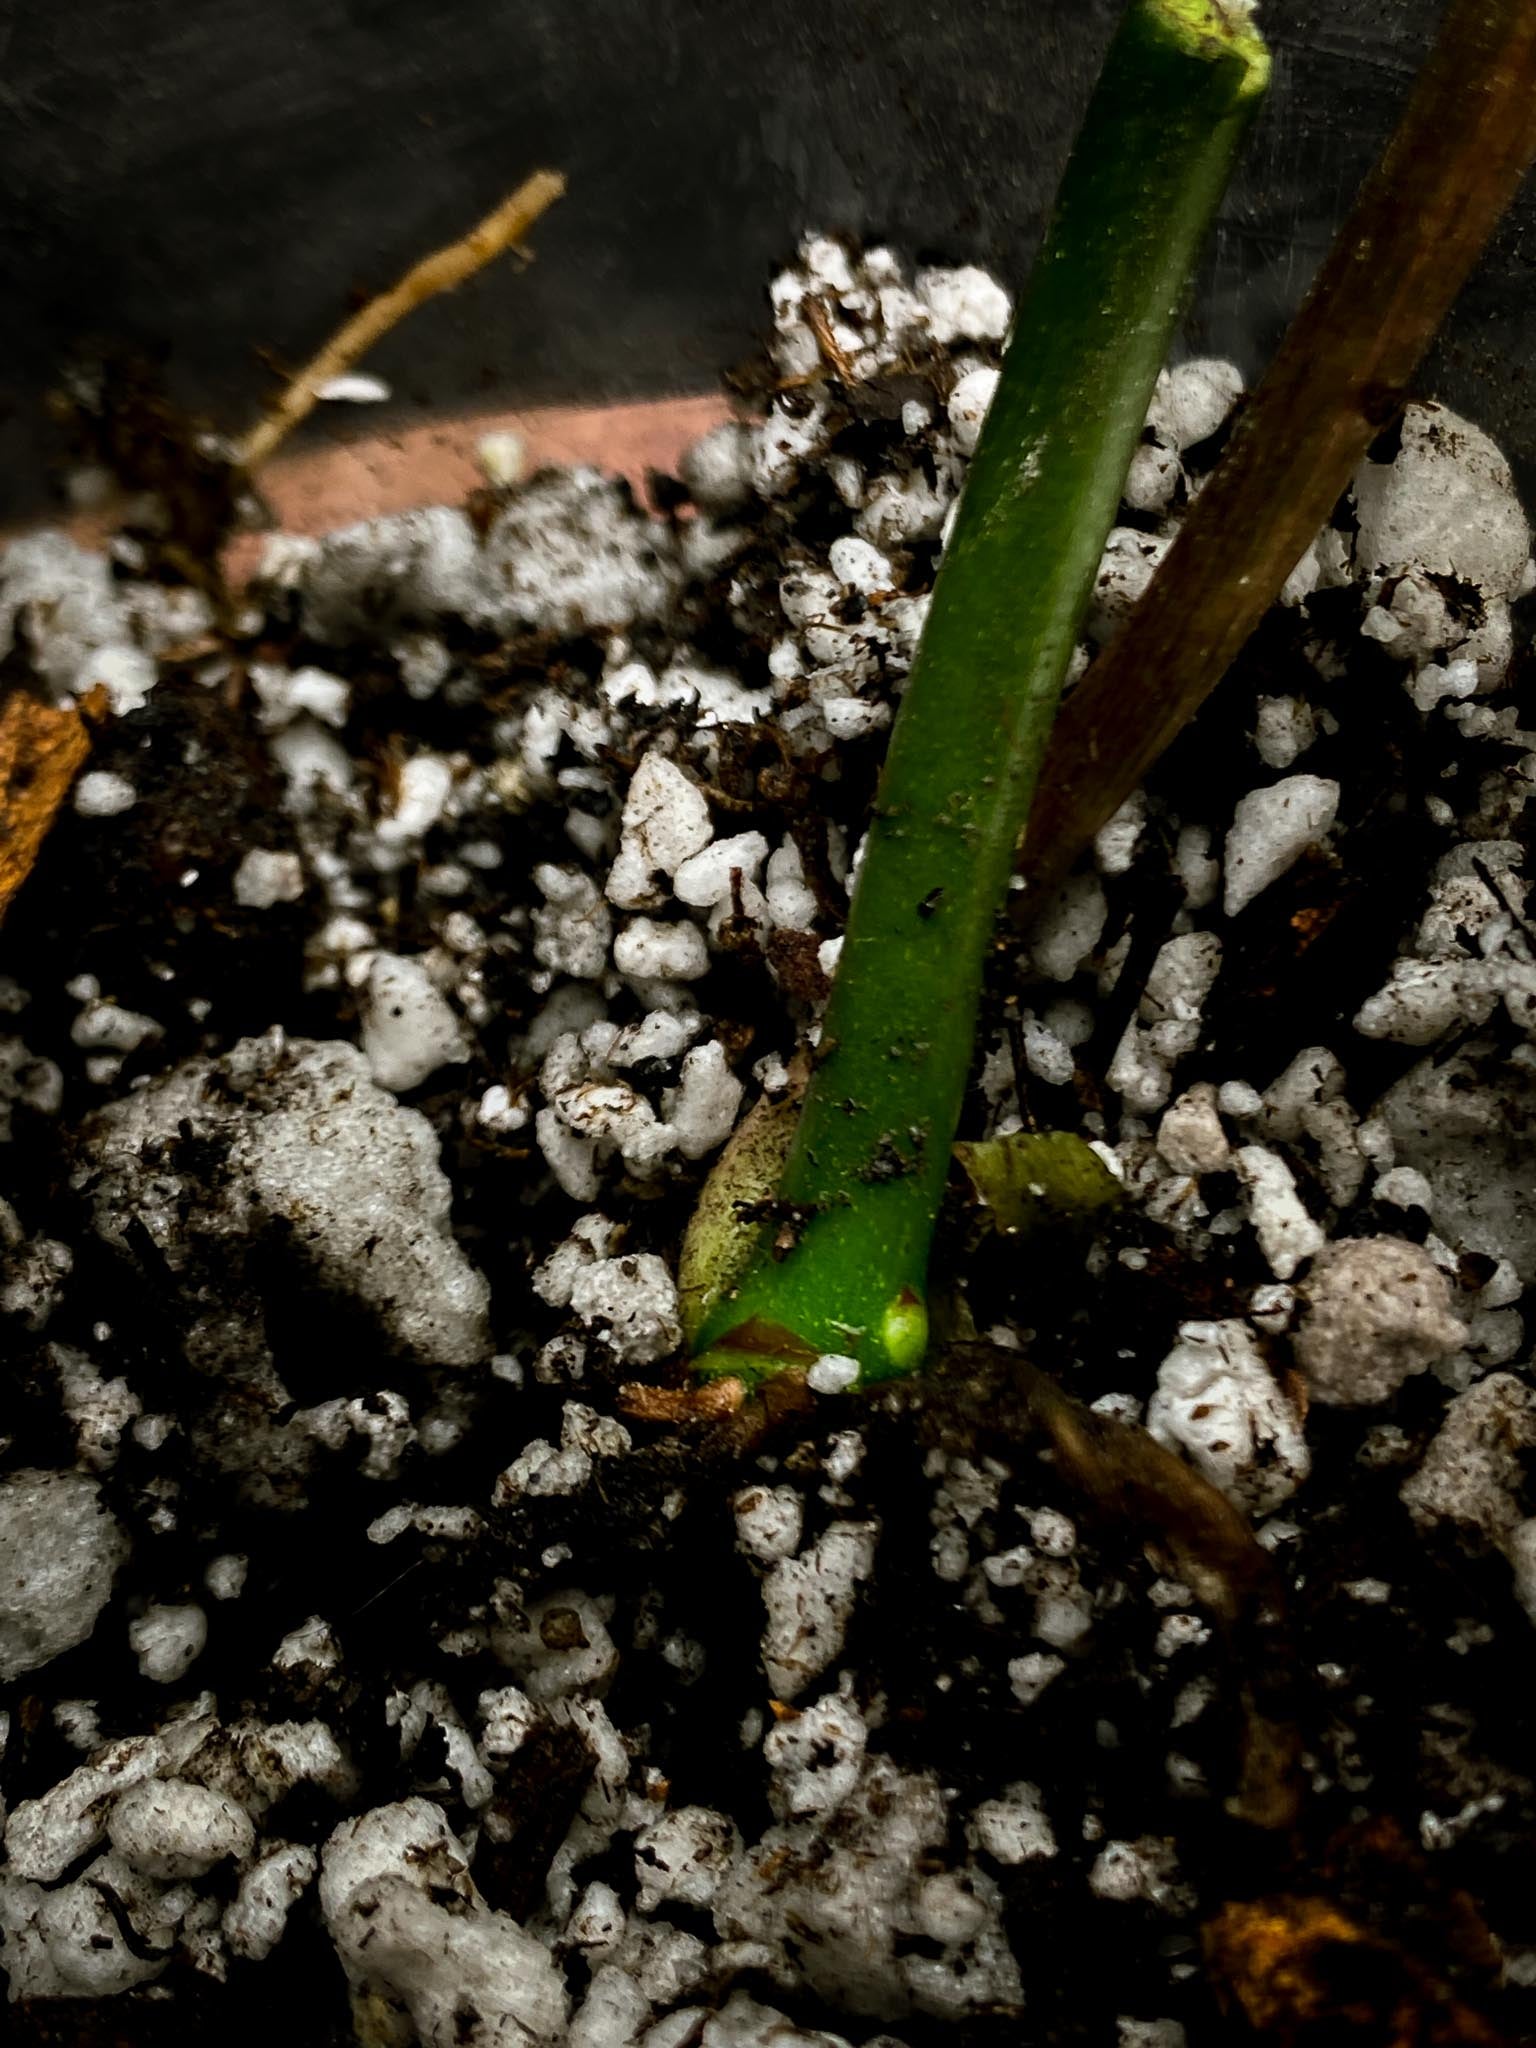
{"x":815,"y":1756}
{"x":416,"y":1939}
{"x":264,"y":878}
{"x":968,"y":405}
{"x":1475,"y":1475}
{"x":103,"y":794}
{"x":1375,"y":1311}
{"x":62,"y":602}
{"x":409,"y":1029}
{"x":503,"y":457}
{"x":68,"y":1943}
{"x":1133,"y":2033}
{"x":630,"y":1300}
{"x":60,"y":1548}
{"x":648,"y":951}
{"x":1287,"y":1234}
{"x":1446,"y":504}
{"x":99,"y":1409}
{"x":706,"y":878}
{"x":1284,"y":728}
{"x":44,"y":1836}
{"x":315,"y":1159}
{"x":1144,"y":1869}
{"x":364,"y":581}
{"x":866,"y":1909}
{"x":170,"y":1829}
{"x":683,"y":1856}
{"x":1116,"y":841}
{"x":1030,"y":1674}
{"x":702,"y":1108}
{"x":1218,"y":1403}
{"x":1271,"y":829}
{"x":559,"y":1647}
{"x":717,"y":468}
{"x":1192,"y":399}
{"x":1190,"y":1136}
{"x":665,"y":821}
{"x":1014,"y":1827}
{"x":1166,"y":1027}
{"x":1464,"y":1121}
{"x":574,"y":929}
{"x":254,"y":1924}
{"x":613,"y":2014}
{"x":1129,"y":562}
{"x":571,"y":552}
{"x":809,"y":1602}
{"x":791,"y":899}
{"x":964,"y":304}
{"x":768,"y":1522}
{"x":1069,"y":927}
{"x":833,"y":1373}
{"x":1474,"y":1470}
{"x":167,"y":1641}
{"x":1154,"y":476}
{"x":286,"y":694}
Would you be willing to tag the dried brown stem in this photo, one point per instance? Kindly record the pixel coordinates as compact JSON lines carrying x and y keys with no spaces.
{"x":443,"y":271}
{"x":974,"y":1394}
{"x":1342,"y":372}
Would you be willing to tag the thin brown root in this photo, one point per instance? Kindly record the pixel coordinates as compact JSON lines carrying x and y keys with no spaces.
{"x":819,"y":320}
{"x":681,"y":1405}
{"x":443,"y":271}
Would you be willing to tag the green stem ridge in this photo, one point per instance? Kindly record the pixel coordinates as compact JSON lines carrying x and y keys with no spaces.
{"x":866,"y":1171}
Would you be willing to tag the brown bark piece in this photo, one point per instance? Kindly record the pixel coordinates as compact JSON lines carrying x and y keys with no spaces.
{"x":42,"y":747}
{"x":1300,"y":1970}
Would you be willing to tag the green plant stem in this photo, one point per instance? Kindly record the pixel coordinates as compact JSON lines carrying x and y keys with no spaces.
{"x":866,"y":1171}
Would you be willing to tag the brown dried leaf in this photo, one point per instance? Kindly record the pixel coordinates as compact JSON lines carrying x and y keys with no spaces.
{"x":41,"y":749}
{"x":1301,"y":1969}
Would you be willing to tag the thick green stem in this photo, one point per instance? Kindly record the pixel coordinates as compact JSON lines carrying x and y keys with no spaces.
{"x":867,"y":1167}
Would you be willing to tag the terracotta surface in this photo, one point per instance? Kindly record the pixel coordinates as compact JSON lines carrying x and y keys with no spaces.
{"x":313,"y":489}
{"x":318,"y":483}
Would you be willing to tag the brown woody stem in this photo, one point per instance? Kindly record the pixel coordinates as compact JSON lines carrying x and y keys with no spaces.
{"x":1342,"y":372}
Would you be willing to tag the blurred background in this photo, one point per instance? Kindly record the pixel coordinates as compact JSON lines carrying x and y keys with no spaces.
{"x":225,"y":178}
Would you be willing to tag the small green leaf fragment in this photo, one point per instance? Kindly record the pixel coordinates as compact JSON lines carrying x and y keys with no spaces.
{"x":904,"y":1332}
{"x":1033,"y":1178}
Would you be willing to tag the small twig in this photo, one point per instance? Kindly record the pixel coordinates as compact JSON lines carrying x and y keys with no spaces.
{"x":1422,"y":219}
{"x":440,"y":272}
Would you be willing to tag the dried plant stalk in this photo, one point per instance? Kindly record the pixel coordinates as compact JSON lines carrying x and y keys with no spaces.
{"x":443,"y":271}
{"x":1422,"y":219}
